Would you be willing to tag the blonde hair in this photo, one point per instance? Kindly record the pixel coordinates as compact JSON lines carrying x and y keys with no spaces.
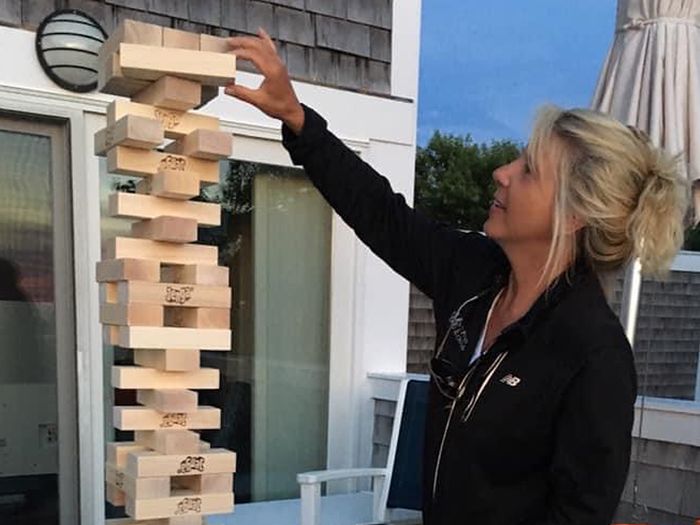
{"x":629,"y":196}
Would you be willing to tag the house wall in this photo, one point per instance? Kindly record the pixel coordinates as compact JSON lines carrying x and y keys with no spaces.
{"x":340,"y":43}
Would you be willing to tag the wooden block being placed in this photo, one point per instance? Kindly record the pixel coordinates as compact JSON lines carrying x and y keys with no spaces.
{"x":169,"y":441}
{"x":167,"y":252}
{"x":173,"y":338}
{"x":134,"y":377}
{"x":180,"y":39}
{"x":132,"y":131}
{"x":198,"y":317}
{"x":128,"y":269}
{"x":171,"y":360}
{"x":111,"y":79}
{"x":175,"y":123}
{"x":168,"y":400}
{"x":204,"y":483}
{"x":135,"y":206}
{"x":172,"y":294}
{"x":215,"y":44}
{"x":166,"y":229}
{"x":138,"y":488}
{"x":144,"y":418}
{"x":131,"y":314}
{"x":117,"y":452}
{"x":204,"y":144}
{"x":143,"y":163}
{"x":147,"y":63}
{"x":178,"y":505}
{"x":147,"y":463}
{"x":169,"y":92}
{"x":132,"y":32}
{"x":195,"y":274}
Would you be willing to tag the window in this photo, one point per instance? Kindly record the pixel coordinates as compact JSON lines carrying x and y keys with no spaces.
{"x":38,"y":458}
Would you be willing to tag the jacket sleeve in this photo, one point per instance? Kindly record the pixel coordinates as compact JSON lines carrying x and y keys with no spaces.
{"x":420,"y":249}
{"x":593,"y":438}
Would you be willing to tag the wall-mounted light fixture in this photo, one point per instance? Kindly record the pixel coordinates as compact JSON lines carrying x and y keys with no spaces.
{"x":67,"y":43}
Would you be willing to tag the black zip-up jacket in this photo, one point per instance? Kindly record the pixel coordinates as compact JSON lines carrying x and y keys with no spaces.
{"x":538,"y":430}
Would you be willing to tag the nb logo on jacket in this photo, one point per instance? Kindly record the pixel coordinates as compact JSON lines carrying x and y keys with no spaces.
{"x":510,"y":380}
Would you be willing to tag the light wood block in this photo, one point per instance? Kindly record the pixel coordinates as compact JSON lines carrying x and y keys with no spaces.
{"x":169,"y":92}
{"x":173,"y":184}
{"x":168,"y":400}
{"x":135,"y":206}
{"x":173,"y":294}
{"x":131,"y":314}
{"x":198,"y":317}
{"x":181,"y":520}
{"x":167,"y":252}
{"x":204,"y":144}
{"x":173,"y":338}
{"x":175,"y":123}
{"x":205,"y":483}
{"x":117,"y":452}
{"x":144,"y":163}
{"x":111,"y":79}
{"x":166,"y":229}
{"x":179,"y":505}
{"x":214,"y":44}
{"x":133,"y":32}
{"x":132,"y":131}
{"x":138,"y":488}
{"x":128,"y":269}
{"x":144,"y":418}
{"x":148,"y":63}
{"x":169,"y":441}
{"x":135,"y":377}
{"x":147,"y":463}
{"x":109,"y":293}
{"x":114,"y":495}
{"x":180,"y":39}
{"x":170,"y":360}
{"x":195,"y":274}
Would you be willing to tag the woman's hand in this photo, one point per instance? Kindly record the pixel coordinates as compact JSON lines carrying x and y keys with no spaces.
{"x":275,"y":96}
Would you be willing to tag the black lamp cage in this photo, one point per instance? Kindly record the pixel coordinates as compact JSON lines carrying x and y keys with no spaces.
{"x":67,"y":44}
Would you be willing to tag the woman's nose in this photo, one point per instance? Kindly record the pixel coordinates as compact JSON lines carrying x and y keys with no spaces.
{"x":500,"y":175}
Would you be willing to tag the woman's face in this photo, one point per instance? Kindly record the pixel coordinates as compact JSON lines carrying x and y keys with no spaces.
{"x":522,"y":210}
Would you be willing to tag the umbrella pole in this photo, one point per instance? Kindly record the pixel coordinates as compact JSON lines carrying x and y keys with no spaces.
{"x":630,"y":298}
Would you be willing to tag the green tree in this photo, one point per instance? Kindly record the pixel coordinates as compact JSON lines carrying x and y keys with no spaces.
{"x":454,"y":182}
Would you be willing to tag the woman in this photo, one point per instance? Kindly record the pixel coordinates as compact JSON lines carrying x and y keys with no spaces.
{"x":533,"y":381}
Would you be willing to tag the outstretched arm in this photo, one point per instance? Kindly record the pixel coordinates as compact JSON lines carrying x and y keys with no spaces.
{"x":422,"y":250}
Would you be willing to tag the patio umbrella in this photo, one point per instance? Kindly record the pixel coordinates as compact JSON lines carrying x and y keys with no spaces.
{"x":651,"y":77}
{"x":651,"y":80}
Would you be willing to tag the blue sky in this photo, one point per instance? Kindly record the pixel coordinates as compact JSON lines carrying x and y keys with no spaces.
{"x":486,"y":65}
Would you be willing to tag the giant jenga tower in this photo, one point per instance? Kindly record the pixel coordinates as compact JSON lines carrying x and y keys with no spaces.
{"x":162,"y":296}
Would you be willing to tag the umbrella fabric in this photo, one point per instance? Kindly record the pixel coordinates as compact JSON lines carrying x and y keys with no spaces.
{"x":651,"y":76}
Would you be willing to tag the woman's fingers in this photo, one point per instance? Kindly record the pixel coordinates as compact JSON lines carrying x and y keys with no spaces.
{"x":252,"y":96}
{"x":266,"y":38}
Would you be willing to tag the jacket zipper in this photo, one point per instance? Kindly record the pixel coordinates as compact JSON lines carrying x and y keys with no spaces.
{"x":468,"y":410}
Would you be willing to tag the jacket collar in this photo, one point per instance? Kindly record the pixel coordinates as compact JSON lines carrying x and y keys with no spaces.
{"x":577,"y":274}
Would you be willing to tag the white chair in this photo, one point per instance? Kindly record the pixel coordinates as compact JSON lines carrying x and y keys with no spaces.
{"x":396,"y":489}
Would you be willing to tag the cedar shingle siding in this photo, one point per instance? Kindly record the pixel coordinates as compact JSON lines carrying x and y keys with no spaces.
{"x":339,"y":43}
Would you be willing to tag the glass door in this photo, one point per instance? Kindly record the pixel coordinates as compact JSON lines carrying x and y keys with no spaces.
{"x":38,"y":444}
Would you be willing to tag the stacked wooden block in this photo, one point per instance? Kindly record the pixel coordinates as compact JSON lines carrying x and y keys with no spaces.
{"x":162,"y":296}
